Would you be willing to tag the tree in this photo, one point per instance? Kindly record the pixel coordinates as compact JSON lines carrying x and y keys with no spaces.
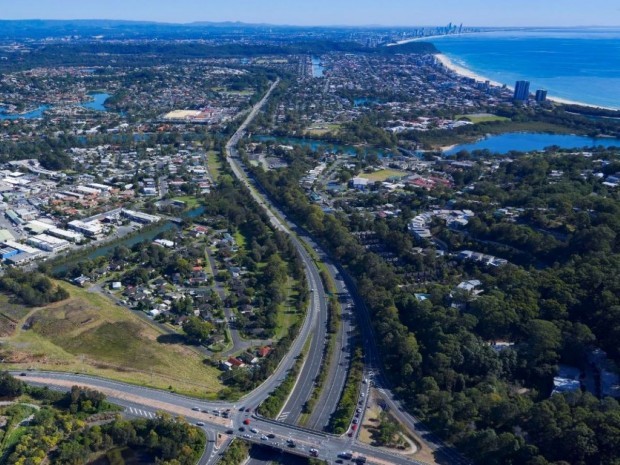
{"x":197,"y":330}
{"x":10,"y":386}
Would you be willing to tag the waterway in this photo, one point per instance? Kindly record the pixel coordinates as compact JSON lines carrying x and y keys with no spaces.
{"x":529,"y":142}
{"x":317,"y":67}
{"x":34,"y":114}
{"x":97,"y":104}
{"x":147,"y":234}
{"x":317,"y":145}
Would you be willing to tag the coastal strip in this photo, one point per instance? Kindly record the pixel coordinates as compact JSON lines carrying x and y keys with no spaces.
{"x":462,"y":71}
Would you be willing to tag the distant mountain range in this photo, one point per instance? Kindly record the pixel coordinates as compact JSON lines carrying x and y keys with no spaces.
{"x":119,"y":29}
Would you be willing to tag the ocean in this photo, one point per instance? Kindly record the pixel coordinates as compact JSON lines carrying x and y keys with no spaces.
{"x":581,"y":65}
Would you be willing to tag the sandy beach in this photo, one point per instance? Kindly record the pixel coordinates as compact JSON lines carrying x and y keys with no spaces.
{"x":470,"y":74}
{"x":444,"y":60}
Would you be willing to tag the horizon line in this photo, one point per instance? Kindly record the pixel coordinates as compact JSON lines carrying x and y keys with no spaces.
{"x":198,"y":22}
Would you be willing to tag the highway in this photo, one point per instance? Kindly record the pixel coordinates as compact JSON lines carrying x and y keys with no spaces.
{"x":341,"y":356}
{"x":345,"y":284}
{"x":317,"y":317}
{"x":145,"y":402}
{"x":242,"y":418}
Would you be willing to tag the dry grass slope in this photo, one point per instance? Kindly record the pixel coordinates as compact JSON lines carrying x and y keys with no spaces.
{"x":88,"y":333}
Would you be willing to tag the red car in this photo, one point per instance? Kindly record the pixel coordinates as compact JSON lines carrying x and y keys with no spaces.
{"x":354,"y":427}
{"x":246,"y":421}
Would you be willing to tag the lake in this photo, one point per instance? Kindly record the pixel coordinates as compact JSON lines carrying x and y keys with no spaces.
{"x":99,"y":99}
{"x":317,"y":67}
{"x":97,"y":103}
{"x":529,"y":142}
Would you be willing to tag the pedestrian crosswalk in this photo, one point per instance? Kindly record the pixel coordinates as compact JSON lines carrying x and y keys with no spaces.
{"x":140,"y":413}
{"x":283,"y":416}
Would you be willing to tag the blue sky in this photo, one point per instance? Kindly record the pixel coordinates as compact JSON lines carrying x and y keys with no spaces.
{"x":330,"y":12}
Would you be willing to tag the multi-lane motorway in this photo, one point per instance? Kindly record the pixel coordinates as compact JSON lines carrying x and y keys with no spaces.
{"x":279,"y":435}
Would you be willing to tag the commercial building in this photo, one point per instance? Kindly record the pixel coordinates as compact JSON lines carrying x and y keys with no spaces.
{"x":522,"y":91}
{"x":70,"y":236}
{"x":90,"y":229}
{"x":12,"y":216}
{"x":48,"y":243}
{"x":21,"y":247}
{"x":541,"y":95}
{"x":8,"y":252}
{"x":139,"y":217}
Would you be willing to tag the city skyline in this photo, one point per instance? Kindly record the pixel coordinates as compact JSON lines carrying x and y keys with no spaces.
{"x":325,"y":13}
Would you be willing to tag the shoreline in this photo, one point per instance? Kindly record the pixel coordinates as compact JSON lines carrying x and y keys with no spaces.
{"x":417,"y":39}
{"x":465,"y":72}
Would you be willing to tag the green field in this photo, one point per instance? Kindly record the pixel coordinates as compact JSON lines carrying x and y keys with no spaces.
{"x":383,"y":175}
{"x":214,"y":164}
{"x":320,"y":130}
{"x":190,"y":201}
{"x":89,"y":334}
{"x":287,"y":315}
{"x":481,"y":118}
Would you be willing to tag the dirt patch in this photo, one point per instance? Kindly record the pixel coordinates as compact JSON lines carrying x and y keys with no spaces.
{"x":413,"y":445}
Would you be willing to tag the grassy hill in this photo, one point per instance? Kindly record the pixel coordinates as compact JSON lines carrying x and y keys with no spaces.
{"x":87,"y":333}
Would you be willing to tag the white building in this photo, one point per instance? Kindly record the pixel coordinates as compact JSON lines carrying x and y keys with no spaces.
{"x":90,"y":229}
{"x":48,"y":243}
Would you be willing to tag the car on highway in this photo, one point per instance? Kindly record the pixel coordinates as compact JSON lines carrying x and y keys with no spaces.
{"x":200,"y":423}
{"x":314,"y":452}
{"x":247,"y":436}
{"x":254,"y":430}
{"x":271,"y":436}
{"x":242,"y":429}
{"x":354,"y":427}
{"x":230,"y":431}
{"x":263,"y":438}
{"x":246,"y":421}
{"x":196,"y":409}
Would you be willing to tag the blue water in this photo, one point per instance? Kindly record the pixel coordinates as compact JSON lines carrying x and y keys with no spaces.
{"x":34,"y":114}
{"x":362,"y":102}
{"x":317,"y":67}
{"x":529,"y":142}
{"x":97,"y":105}
{"x":317,"y":145}
{"x":582,"y":65}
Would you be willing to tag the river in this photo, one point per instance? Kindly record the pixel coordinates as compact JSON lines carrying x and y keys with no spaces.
{"x":147,"y":234}
{"x":319,"y":144}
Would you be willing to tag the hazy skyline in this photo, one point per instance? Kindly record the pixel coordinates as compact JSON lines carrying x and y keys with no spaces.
{"x":330,"y":12}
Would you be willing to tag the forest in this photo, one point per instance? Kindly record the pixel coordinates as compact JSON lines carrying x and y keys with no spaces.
{"x":80,"y":426}
{"x":494,"y":405}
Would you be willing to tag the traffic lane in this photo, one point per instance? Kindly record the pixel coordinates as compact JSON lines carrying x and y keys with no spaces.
{"x":263,"y":391}
{"x":339,"y":369}
{"x":304,"y":439}
{"x":129,"y":398}
{"x":306,"y":381}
